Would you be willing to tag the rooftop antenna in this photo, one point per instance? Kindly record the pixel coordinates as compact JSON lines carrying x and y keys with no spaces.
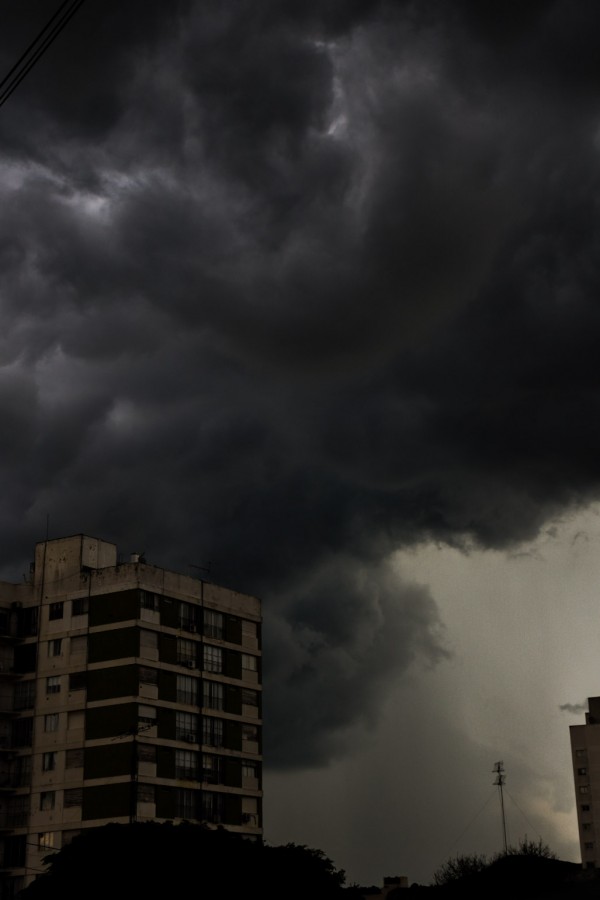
{"x":499,"y":782}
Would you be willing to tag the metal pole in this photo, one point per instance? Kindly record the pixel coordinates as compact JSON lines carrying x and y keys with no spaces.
{"x":499,"y":770}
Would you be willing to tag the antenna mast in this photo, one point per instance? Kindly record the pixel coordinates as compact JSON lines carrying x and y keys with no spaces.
{"x":500,"y":779}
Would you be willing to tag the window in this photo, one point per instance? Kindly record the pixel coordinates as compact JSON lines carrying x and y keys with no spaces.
{"x":51,"y":722}
{"x":146,"y":753}
{"x":249,"y":769}
{"x":77,"y":681}
{"x":28,"y":621}
{"x":584,"y":789}
{"x":249,"y":697}
{"x":587,"y":826}
{"x":146,"y":717}
{"x":24,"y":697}
{"x":80,"y":606}
{"x":22,"y":730}
{"x":55,"y":647}
{"x":145,"y":793}
{"x":212,"y":731}
{"x":149,"y":644}
{"x":46,"y":840}
{"x":186,"y":804}
{"x":187,"y":689}
{"x":212,"y":768}
{"x":585,"y":807}
{"x":186,"y":764}
{"x":18,"y":811}
{"x":73,"y":797}
{"x":581,"y":752}
{"x":56,"y":610}
{"x":186,"y":653}
{"x":148,"y":675}
{"x":74,"y":758}
{"x":212,"y":695}
{"x":582,"y":770}
{"x":249,"y":663}
{"x":186,"y":727}
{"x":213,"y":659}
{"x":589,"y":845}
{"x":187,"y":616}
{"x":47,"y":800}
{"x":49,"y":761}
{"x":149,"y":601}
{"x":249,"y":732}
{"x":53,"y":684}
{"x":212,"y":806}
{"x":22,"y":771}
{"x":213,"y":624}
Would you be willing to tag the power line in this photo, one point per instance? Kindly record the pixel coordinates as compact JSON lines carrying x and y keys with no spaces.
{"x":37,"y":48}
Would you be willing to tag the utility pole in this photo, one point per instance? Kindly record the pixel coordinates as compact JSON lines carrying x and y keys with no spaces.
{"x":499,"y":782}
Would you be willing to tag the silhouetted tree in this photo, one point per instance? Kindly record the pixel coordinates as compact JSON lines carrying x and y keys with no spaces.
{"x":124,"y":861}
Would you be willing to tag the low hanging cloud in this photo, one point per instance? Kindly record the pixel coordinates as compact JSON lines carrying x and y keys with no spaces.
{"x":285,"y":289}
{"x":575,"y":708}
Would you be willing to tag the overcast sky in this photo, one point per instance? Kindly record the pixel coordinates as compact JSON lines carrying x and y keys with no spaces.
{"x":308,"y":293}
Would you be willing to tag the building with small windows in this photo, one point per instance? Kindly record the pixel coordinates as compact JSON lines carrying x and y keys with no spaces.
{"x":585,"y":751}
{"x":127,"y":693}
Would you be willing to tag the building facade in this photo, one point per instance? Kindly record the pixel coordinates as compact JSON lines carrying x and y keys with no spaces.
{"x":585,"y":751}
{"x":127,"y":693}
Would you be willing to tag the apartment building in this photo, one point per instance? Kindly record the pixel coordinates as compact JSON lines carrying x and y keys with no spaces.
{"x":585,"y":751}
{"x":127,"y":693}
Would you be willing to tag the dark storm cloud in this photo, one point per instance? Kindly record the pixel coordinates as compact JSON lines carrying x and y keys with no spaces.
{"x":285,"y":287}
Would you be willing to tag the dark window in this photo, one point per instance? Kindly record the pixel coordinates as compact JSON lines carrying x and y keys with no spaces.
{"x":23,"y":732}
{"x":213,"y":659}
{"x":73,"y":797}
{"x":47,"y":800}
{"x":213,"y":624}
{"x":582,"y":770}
{"x":249,"y":697}
{"x":212,"y":768}
{"x":187,"y":616}
{"x":212,"y":731}
{"x":146,"y":793}
{"x":49,"y":761}
{"x":187,"y":690}
{"x":56,"y":610}
{"x":53,"y":684}
{"x":74,"y":758}
{"x":212,"y":695}
{"x":212,"y":807}
{"x":147,"y":753}
{"x":186,"y":727}
{"x":186,"y":653}
{"x":186,"y":764}
{"x":148,"y":675}
{"x":80,"y":606}
{"x":185,"y":804}
{"x":149,"y":600}
{"x":24,"y":695}
{"x":77,"y":681}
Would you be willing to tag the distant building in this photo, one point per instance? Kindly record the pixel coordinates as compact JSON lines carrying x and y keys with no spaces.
{"x":127,"y":693}
{"x":392,"y":885}
{"x":585,"y":750}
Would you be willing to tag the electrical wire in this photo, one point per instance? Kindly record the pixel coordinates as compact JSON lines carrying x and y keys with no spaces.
{"x":37,"y":48}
